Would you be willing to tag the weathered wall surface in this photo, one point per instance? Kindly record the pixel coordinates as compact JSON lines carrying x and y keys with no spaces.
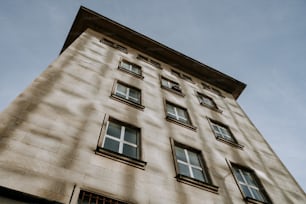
{"x":50,"y":132}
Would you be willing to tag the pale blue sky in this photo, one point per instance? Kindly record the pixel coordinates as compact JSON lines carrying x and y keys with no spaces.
{"x":262,"y":43}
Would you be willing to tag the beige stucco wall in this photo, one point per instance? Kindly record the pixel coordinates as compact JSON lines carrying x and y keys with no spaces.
{"x":49,"y":135}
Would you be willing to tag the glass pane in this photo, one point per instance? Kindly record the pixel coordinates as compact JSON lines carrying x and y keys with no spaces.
{"x":238,"y":175}
{"x":257,"y":194}
{"x":165,"y":83}
{"x":125,"y":65}
{"x":130,"y":151}
{"x":114,"y":129}
{"x":246,"y":191}
{"x":194,"y":160}
{"x":134,"y":95}
{"x":183,"y":169}
{"x":198,"y":174}
{"x":180,"y":154}
{"x":216,"y":128}
{"x":181,"y":112}
{"x":111,"y":145}
{"x":130,"y":135}
{"x":122,"y":89}
{"x":170,"y":109}
{"x":249,"y":178}
{"x":136,"y":70}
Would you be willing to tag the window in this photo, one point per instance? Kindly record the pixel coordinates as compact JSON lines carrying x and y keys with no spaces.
{"x":114,"y":45}
{"x":122,"y":138}
{"x":150,"y":61}
{"x":127,"y":94}
{"x":90,"y":198}
{"x":130,"y":68}
{"x":190,"y":166}
{"x":178,"y":115}
{"x":207,"y":101}
{"x":249,"y":184}
{"x":211,"y":89}
{"x":170,"y":85}
{"x":121,"y":142}
{"x":181,"y":75}
{"x":176,"y":73}
{"x":188,"y":78}
{"x":223,"y":133}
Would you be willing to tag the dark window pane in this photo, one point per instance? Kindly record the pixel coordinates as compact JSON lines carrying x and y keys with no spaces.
{"x":180,"y":154}
{"x":183,"y":169}
{"x":238,"y":175}
{"x":130,"y":151}
{"x":198,"y":174}
{"x":130,"y":135}
{"x":136,"y":70}
{"x":114,"y":130}
{"x":111,"y":145}
{"x":193,"y":157}
{"x":246,"y":191}
{"x":249,"y":178}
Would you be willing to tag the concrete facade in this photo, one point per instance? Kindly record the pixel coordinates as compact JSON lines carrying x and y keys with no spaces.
{"x":50,"y":133}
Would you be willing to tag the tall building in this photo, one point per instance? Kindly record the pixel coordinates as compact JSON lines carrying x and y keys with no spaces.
{"x":120,"y":118}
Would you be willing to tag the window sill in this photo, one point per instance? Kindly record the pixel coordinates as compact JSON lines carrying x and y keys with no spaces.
{"x":197,"y":183}
{"x":253,"y":201}
{"x":181,"y":123}
{"x":135,"y":105}
{"x":230,"y":142}
{"x":131,"y":73}
{"x":173,"y":91}
{"x":121,"y":158}
{"x":211,"y":108}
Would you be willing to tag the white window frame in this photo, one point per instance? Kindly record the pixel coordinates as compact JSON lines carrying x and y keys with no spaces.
{"x":190,"y":166}
{"x":219,"y":133}
{"x":263,"y":196}
{"x":127,"y":94}
{"x":130,"y":67}
{"x":176,"y":115}
{"x":121,"y":139}
{"x":170,"y":84}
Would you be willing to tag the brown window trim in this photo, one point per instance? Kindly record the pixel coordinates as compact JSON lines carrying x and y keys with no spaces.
{"x":140,"y":76}
{"x":126,"y":101}
{"x":188,"y":180}
{"x":207,"y":106}
{"x":178,"y":92}
{"x":234,"y":144}
{"x":139,"y":163}
{"x":246,"y":198}
{"x":170,"y":119}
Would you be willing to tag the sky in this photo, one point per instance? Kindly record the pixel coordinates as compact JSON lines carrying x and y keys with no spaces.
{"x":261,"y":43}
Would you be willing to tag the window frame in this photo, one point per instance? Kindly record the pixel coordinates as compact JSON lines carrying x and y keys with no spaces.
{"x":176,"y":121}
{"x":124,"y":100}
{"x":214,"y":107}
{"x":114,"y":45}
{"x":212,"y":89}
{"x":121,"y":68}
{"x":150,"y":61}
{"x":82,"y":193}
{"x":177,"y":90}
{"x":206,"y":185}
{"x":259,"y":186}
{"x":100,"y":150}
{"x":233,"y":143}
